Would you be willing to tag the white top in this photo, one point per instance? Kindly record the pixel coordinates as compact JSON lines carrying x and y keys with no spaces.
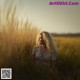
{"x":42,"y":55}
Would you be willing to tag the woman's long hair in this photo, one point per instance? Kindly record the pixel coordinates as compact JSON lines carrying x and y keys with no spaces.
{"x":48,"y":38}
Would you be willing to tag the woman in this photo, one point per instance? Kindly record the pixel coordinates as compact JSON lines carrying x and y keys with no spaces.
{"x":45,"y":50}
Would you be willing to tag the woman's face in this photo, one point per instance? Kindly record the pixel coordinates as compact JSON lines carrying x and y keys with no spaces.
{"x":41,"y":40}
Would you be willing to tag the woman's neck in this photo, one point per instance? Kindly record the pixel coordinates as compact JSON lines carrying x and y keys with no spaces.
{"x":43,"y":46}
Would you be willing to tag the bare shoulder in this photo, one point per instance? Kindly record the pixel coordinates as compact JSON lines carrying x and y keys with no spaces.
{"x":35,"y":47}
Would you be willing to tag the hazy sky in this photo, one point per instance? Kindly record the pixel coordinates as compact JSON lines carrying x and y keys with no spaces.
{"x":61,"y":19}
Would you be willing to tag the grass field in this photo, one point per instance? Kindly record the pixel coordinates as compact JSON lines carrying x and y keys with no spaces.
{"x":16,"y":42}
{"x":68,"y":60}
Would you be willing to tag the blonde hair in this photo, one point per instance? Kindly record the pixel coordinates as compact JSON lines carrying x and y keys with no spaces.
{"x":47,"y":37}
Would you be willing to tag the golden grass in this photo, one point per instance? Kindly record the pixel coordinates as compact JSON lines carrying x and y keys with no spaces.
{"x":16,"y":37}
{"x":68,"y":59}
{"x":68,"y":45}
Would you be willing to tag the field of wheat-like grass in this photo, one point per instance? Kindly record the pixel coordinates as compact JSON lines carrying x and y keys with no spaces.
{"x":68,"y":59}
{"x":16,"y":37}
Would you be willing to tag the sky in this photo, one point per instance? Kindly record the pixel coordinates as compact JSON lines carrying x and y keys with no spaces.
{"x":58,"y":19}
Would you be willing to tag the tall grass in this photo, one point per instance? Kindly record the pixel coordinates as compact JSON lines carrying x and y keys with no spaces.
{"x":68,"y":59}
{"x":16,"y":37}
